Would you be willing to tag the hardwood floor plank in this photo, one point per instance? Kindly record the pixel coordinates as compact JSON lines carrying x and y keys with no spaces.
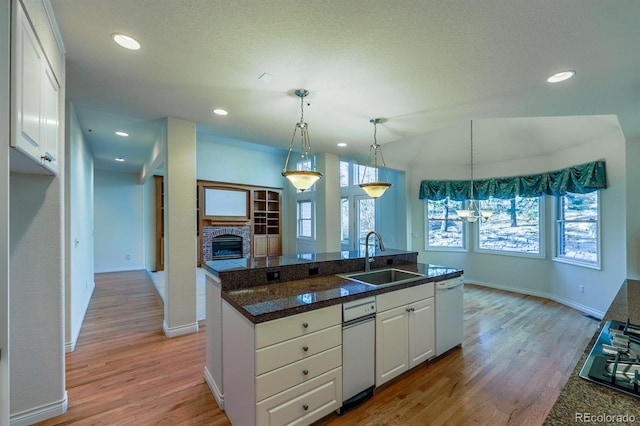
{"x":517,"y":354}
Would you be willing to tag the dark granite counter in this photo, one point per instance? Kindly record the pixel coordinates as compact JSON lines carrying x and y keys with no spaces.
{"x":266,"y":302}
{"x":582,"y":396}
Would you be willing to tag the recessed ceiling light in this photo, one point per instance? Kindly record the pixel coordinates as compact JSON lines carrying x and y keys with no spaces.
{"x":265,"y":77}
{"x":561,"y":76}
{"x":120,"y":159}
{"x":126,"y":41}
{"x":342,"y":144}
{"x":123,"y":134}
{"x":219,"y":111}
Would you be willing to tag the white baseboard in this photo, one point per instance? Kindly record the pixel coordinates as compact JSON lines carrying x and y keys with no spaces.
{"x":128,"y":269}
{"x":219,"y":397}
{"x":577,"y":306}
{"x":180,"y":330}
{"x":41,"y":413}
{"x":71,"y":346}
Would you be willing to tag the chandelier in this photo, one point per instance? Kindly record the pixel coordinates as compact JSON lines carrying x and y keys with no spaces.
{"x":304,"y":177}
{"x":473,"y":212}
{"x":375,"y":189}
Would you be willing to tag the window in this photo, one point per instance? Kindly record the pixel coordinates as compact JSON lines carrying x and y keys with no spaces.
{"x":344,"y":220}
{"x":444,"y":229}
{"x":305,"y":222}
{"x":515,"y":227}
{"x":578,"y":229}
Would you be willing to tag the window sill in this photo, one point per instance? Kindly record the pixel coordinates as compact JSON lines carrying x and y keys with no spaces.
{"x":574,"y":262}
{"x":510,"y":253}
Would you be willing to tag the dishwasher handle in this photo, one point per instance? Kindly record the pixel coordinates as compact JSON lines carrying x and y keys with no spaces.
{"x":357,"y":321}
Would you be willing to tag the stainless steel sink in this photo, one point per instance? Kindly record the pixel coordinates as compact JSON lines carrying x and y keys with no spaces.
{"x":384,"y":276}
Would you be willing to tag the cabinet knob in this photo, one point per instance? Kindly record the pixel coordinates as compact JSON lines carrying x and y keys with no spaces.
{"x":408,"y":309}
{"x":305,"y":407}
{"x":305,"y":325}
{"x":305,"y":348}
{"x":305,"y":372}
{"x":48,"y":157}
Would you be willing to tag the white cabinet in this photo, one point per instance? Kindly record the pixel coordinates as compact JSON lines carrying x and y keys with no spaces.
{"x":35,"y":91}
{"x":285,"y":371}
{"x":405,"y":331}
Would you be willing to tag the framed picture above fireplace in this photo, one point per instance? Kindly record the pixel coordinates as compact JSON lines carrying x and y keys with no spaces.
{"x":226,"y":204}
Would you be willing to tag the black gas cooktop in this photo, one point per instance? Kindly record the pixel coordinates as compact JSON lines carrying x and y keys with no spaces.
{"x":614,"y":360}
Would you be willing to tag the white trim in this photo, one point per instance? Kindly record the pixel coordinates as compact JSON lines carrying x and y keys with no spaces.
{"x":54,"y":26}
{"x":180,"y":330}
{"x":134,"y":268}
{"x":75,"y":334}
{"x":571,"y":304}
{"x":219,"y":397}
{"x":40,"y":413}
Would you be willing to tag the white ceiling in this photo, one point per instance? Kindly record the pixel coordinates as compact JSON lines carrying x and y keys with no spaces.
{"x":427,"y":67}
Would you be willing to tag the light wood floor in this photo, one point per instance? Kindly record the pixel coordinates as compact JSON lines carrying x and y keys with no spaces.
{"x":518,"y":352}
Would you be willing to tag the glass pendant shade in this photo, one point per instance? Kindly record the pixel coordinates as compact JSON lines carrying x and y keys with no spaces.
{"x":305,"y":177}
{"x":375,"y":189}
{"x":472,"y":213}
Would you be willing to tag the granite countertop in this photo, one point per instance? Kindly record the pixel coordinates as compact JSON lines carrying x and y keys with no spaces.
{"x":272,"y":301}
{"x":579,"y":395}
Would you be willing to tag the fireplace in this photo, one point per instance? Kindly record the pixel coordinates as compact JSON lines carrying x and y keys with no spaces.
{"x":226,"y":246}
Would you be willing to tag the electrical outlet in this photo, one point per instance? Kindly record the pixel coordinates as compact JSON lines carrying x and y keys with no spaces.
{"x":581,"y":288}
{"x":273,"y":275}
{"x":127,"y":257}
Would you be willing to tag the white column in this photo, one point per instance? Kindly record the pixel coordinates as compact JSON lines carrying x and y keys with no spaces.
{"x":328,"y":204}
{"x":4,"y":213}
{"x":180,"y":229}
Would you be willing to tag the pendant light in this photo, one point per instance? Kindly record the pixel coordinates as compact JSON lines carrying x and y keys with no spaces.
{"x":304,"y":178}
{"x":472,"y":213}
{"x":375,"y":189}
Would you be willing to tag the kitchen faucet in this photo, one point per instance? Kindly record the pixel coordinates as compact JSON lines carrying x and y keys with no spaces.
{"x":367,"y":268}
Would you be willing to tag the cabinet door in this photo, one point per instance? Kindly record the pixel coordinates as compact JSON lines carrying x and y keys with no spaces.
{"x":28,"y":61}
{"x":260,"y":246}
{"x":273,"y":245}
{"x":49,"y":130}
{"x":421,"y":332}
{"x":392,"y":335}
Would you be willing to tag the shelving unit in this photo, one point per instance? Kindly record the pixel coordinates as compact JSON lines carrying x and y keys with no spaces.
{"x":266,"y":222}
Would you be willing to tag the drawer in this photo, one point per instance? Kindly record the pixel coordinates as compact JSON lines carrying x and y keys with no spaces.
{"x":404,"y":297}
{"x":283,"y":353}
{"x":304,"y":403}
{"x":286,"y":377}
{"x":271,"y":332}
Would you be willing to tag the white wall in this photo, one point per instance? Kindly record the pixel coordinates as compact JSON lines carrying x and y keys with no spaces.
{"x":391,"y":212}
{"x":542,"y":277}
{"x":118,"y":220}
{"x":4,"y":212}
{"x":633,"y":208}
{"x":80,"y":244}
{"x":37,"y":262}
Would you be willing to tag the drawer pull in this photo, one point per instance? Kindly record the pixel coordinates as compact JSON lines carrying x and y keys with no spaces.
{"x":305,"y":407}
{"x":305,"y":372}
{"x":305,"y":348}
{"x":408,"y":309}
{"x":305,"y":325}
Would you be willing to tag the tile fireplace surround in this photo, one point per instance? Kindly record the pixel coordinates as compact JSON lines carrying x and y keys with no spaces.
{"x":209,"y":232}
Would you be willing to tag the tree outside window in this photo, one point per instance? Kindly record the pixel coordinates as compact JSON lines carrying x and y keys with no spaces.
{"x":444,"y":229}
{"x":578,"y":238}
{"x":515,"y":226}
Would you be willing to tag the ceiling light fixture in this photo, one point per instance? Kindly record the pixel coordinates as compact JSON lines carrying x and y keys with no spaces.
{"x":123,"y":134}
{"x":126,"y":41}
{"x":472,"y":213}
{"x":120,"y":159}
{"x":219,"y":111}
{"x":375,"y":189}
{"x":304,"y":177}
{"x":561,"y":76}
{"x":342,"y":144}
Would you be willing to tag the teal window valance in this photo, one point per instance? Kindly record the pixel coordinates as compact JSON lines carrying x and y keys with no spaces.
{"x":580,"y":179}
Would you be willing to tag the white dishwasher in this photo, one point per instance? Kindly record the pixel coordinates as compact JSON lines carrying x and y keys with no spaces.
{"x":449,"y":314}
{"x":358,"y":351}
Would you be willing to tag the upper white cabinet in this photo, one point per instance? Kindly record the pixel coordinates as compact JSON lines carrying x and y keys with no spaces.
{"x":35,"y":92}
